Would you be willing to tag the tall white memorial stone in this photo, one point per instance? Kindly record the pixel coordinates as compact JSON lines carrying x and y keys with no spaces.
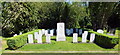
{"x":75,"y":37}
{"x":61,"y":32}
{"x":30,"y":38}
{"x":92,"y":37}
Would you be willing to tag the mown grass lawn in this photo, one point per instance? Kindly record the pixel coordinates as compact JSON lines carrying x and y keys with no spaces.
{"x":64,"y":46}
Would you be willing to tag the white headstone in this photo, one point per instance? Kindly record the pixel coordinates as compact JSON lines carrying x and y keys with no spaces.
{"x":30,"y":38}
{"x":92,"y":37}
{"x":20,"y":33}
{"x":75,"y":37}
{"x":46,"y":32}
{"x":61,"y":32}
{"x":39,"y":38}
{"x":40,"y":31}
{"x":48,"y":38}
{"x":35,"y":35}
{"x":43,"y":31}
{"x":51,"y":32}
{"x":100,"y":31}
{"x":15,"y":35}
{"x":86,"y":32}
{"x":84,"y":37}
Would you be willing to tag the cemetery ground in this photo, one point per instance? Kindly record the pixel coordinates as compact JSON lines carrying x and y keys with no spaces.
{"x":62,"y":46}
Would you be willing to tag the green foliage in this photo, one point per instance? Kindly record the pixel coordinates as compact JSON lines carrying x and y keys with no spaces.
{"x":104,"y":40}
{"x":26,"y":16}
{"x":19,"y":41}
{"x":100,"y":12}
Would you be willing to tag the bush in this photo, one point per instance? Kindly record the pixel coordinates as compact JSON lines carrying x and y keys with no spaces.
{"x":105,"y":41}
{"x":18,"y":41}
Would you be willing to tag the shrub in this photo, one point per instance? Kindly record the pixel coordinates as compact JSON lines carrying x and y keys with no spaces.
{"x":105,"y":41}
{"x":18,"y":41}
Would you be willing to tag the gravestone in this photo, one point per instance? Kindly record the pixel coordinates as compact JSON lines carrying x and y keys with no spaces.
{"x":51,"y":32}
{"x":43,"y":31}
{"x":35,"y":35}
{"x":39,"y":39}
{"x":100,"y":31}
{"x":40,"y":31}
{"x":80,"y":31}
{"x":75,"y":37}
{"x":92,"y":37}
{"x":30,"y":38}
{"x":69,"y":31}
{"x":46,"y":32}
{"x":15,"y":35}
{"x":84,"y":37}
{"x":61,"y":32}
{"x":20,"y":33}
{"x":110,"y":34}
{"x":48,"y":40}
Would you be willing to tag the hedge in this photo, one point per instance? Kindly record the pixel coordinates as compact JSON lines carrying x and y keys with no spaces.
{"x":104,"y":40}
{"x":18,"y":41}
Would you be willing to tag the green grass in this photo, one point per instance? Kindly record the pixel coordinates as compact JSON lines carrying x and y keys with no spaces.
{"x":64,"y":46}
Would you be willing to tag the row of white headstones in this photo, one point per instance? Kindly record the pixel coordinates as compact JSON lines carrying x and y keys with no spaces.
{"x":60,"y":35}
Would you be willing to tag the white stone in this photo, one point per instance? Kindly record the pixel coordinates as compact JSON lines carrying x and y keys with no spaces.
{"x":20,"y":33}
{"x":92,"y":37}
{"x":100,"y":31}
{"x":48,"y":40}
{"x":30,"y":38}
{"x":46,"y":32}
{"x":39,"y":38}
{"x":61,"y":32}
{"x":15,"y":35}
{"x":40,"y":31}
{"x":35,"y":35}
{"x":75,"y":37}
{"x":84,"y":38}
{"x":51,"y":32}
{"x":86,"y":32}
{"x":43,"y":31}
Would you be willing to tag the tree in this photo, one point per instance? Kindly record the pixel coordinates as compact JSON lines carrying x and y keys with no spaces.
{"x":17,"y":17}
{"x":100,"y":12}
